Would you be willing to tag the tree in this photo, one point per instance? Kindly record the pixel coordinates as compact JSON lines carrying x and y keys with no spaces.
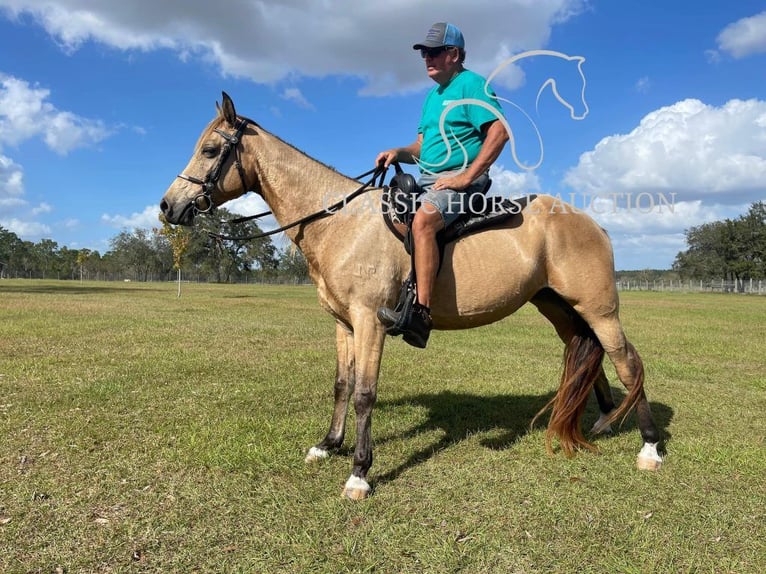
{"x":45,"y":255}
{"x":293,"y":265}
{"x":10,"y":246}
{"x":225,"y":260}
{"x":137,"y":253}
{"x":179,"y":238}
{"x":734,"y":249}
{"x":82,"y":257}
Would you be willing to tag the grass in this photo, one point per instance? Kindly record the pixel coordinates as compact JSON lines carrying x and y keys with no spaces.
{"x":140,"y":432}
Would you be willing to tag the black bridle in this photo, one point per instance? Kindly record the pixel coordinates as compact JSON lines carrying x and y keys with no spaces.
{"x":203,"y":202}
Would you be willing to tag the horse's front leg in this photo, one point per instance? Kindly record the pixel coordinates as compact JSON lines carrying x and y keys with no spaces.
{"x":344,"y":385}
{"x":369,"y":337}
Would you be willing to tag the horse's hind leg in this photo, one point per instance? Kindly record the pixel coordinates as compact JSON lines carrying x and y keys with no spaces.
{"x":562,"y":317}
{"x":344,"y":386}
{"x":630,"y":370}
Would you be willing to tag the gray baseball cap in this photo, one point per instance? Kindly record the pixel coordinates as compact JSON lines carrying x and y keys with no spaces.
{"x":442,"y":34}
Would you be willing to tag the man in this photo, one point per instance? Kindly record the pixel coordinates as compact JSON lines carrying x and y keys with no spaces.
{"x":451,"y":174}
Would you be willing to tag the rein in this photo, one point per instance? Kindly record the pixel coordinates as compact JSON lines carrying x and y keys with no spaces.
{"x":326,"y":212}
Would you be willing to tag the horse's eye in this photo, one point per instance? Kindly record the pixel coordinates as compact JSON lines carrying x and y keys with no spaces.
{"x":210,"y":151}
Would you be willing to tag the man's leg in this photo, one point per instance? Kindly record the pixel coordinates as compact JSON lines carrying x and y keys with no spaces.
{"x":414,"y":322}
{"x":427,"y":223}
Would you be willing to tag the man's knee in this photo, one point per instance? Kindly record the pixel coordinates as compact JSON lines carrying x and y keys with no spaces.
{"x":427,"y":220}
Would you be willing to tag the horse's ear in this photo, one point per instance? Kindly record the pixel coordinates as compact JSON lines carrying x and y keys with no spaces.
{"x":229,"y":113}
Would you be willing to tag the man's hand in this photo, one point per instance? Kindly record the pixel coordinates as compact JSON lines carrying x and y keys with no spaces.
{"x":458,"y":182}
{"x":386,"y":158}
{"x":406,"y":154}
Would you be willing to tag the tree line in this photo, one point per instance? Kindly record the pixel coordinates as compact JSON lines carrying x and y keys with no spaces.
{"x":158,"y":255}
{"x":730,"y":249}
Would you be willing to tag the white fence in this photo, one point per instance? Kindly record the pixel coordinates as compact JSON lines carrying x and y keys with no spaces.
{"x":756,"y":287}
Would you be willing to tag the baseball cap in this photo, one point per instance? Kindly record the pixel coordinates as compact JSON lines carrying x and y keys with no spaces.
{"x":442,"y":34}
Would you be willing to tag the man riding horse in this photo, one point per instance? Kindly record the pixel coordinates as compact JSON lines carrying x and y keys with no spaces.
{"x":454,"y":154}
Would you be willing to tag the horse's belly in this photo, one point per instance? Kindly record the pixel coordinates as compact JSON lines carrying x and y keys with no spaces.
{"x":484,"y":278}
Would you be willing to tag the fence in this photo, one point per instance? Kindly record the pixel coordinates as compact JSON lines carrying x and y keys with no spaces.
{"x":751,"y":286}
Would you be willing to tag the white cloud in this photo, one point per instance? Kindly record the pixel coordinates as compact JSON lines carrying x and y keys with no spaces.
{"x":634,"y":251}
{"x":42,"y":208}
{"x":11,"y":182}
{"x":146,"y":219}
{"x":258,"y":39}
{"x":744,"y":37}
{"x":683,"y":165}
{"x":643,"y":85}
{"x":295,"y":95}
{"x":250,"y":204}
{"x":28,"y":229}
{"x":695,"y":150}
{"x":26,"y":113}
{"x":656,"y":213}
{"x":713,"y":56}
{"x":506,"y":183}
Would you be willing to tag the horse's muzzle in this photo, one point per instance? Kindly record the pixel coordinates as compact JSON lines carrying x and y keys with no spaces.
{"x":175,"y":216}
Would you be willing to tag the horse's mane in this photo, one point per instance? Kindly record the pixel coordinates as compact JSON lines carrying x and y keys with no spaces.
{"x":216,"y":123}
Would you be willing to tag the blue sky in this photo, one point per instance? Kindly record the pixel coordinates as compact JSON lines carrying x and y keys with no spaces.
{"x":101,"y":103}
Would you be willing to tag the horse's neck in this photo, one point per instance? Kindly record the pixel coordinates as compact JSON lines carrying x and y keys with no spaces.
{"x":296,"y":185}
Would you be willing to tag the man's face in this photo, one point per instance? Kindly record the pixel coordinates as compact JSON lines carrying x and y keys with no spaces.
{"x":441,"y":63}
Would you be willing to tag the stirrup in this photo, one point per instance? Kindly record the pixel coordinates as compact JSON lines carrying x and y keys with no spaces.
{"x":407,"y":298}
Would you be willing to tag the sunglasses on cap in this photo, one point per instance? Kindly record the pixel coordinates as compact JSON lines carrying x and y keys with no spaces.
{"x":433,"y":52}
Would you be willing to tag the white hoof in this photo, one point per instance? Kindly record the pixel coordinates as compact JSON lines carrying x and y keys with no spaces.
{"x":601,"y":426}
{"x":316,"y":454}
{"x":649,"y":458}
{"x":356,"y":488}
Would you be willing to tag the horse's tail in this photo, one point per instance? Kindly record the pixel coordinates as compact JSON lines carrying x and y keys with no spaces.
{"x":583,"y":356}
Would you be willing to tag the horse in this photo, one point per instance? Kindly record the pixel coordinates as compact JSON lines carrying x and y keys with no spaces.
{"x":550,"y":255}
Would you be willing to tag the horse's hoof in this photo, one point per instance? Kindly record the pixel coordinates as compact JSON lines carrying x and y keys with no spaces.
{"x":316,"y":454}
{"x":649,"y":458}
{"x":601,"y":426}
{"x":356,"y":488}
{"x":648,"y":464}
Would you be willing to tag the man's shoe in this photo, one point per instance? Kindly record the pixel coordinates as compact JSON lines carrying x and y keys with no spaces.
{"x":419,"y":328}
{"x":415,"y":329}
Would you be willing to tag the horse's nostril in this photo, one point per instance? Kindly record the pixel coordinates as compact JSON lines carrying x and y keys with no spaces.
{"x":164,"y":206}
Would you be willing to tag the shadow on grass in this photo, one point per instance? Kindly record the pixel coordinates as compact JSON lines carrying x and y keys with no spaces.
{"x":459,"y":415}
{"x":73,"y":288}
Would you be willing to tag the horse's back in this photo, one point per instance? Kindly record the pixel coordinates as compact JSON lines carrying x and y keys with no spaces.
{"x":489,"y":275}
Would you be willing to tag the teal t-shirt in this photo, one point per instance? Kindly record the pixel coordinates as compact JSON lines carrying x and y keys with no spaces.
{"x":465,"y":120}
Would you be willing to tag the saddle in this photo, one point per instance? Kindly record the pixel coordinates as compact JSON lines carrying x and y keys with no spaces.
{"x":399,"y":204}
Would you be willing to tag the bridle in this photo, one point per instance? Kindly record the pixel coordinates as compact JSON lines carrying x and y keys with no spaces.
{"x":203,"y":202}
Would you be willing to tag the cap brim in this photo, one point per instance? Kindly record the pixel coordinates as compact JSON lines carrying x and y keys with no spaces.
{"x":427,"y":45}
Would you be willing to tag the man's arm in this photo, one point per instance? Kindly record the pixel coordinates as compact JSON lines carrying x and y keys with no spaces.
{"x":406,"y":154}
{"x":495,"y":140}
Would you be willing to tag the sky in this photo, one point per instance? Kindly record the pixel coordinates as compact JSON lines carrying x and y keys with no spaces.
{"x":662,"y":127}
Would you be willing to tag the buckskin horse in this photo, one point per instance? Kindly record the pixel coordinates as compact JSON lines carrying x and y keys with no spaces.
{"x":551,"y":255}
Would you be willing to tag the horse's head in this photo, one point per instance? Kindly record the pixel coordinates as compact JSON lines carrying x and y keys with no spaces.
{"x":214,"y":174}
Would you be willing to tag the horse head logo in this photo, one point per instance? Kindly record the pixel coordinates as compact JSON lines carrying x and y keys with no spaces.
{"x":577,"y":106}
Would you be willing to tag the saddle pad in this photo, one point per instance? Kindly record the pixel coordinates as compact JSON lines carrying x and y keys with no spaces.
{"x":496,"y":211}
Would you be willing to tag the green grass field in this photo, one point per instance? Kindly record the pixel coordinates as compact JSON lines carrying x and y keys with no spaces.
{"x":140,"y":432}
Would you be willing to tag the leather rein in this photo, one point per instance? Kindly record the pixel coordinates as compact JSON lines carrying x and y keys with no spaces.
{"x":203,"y":202}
